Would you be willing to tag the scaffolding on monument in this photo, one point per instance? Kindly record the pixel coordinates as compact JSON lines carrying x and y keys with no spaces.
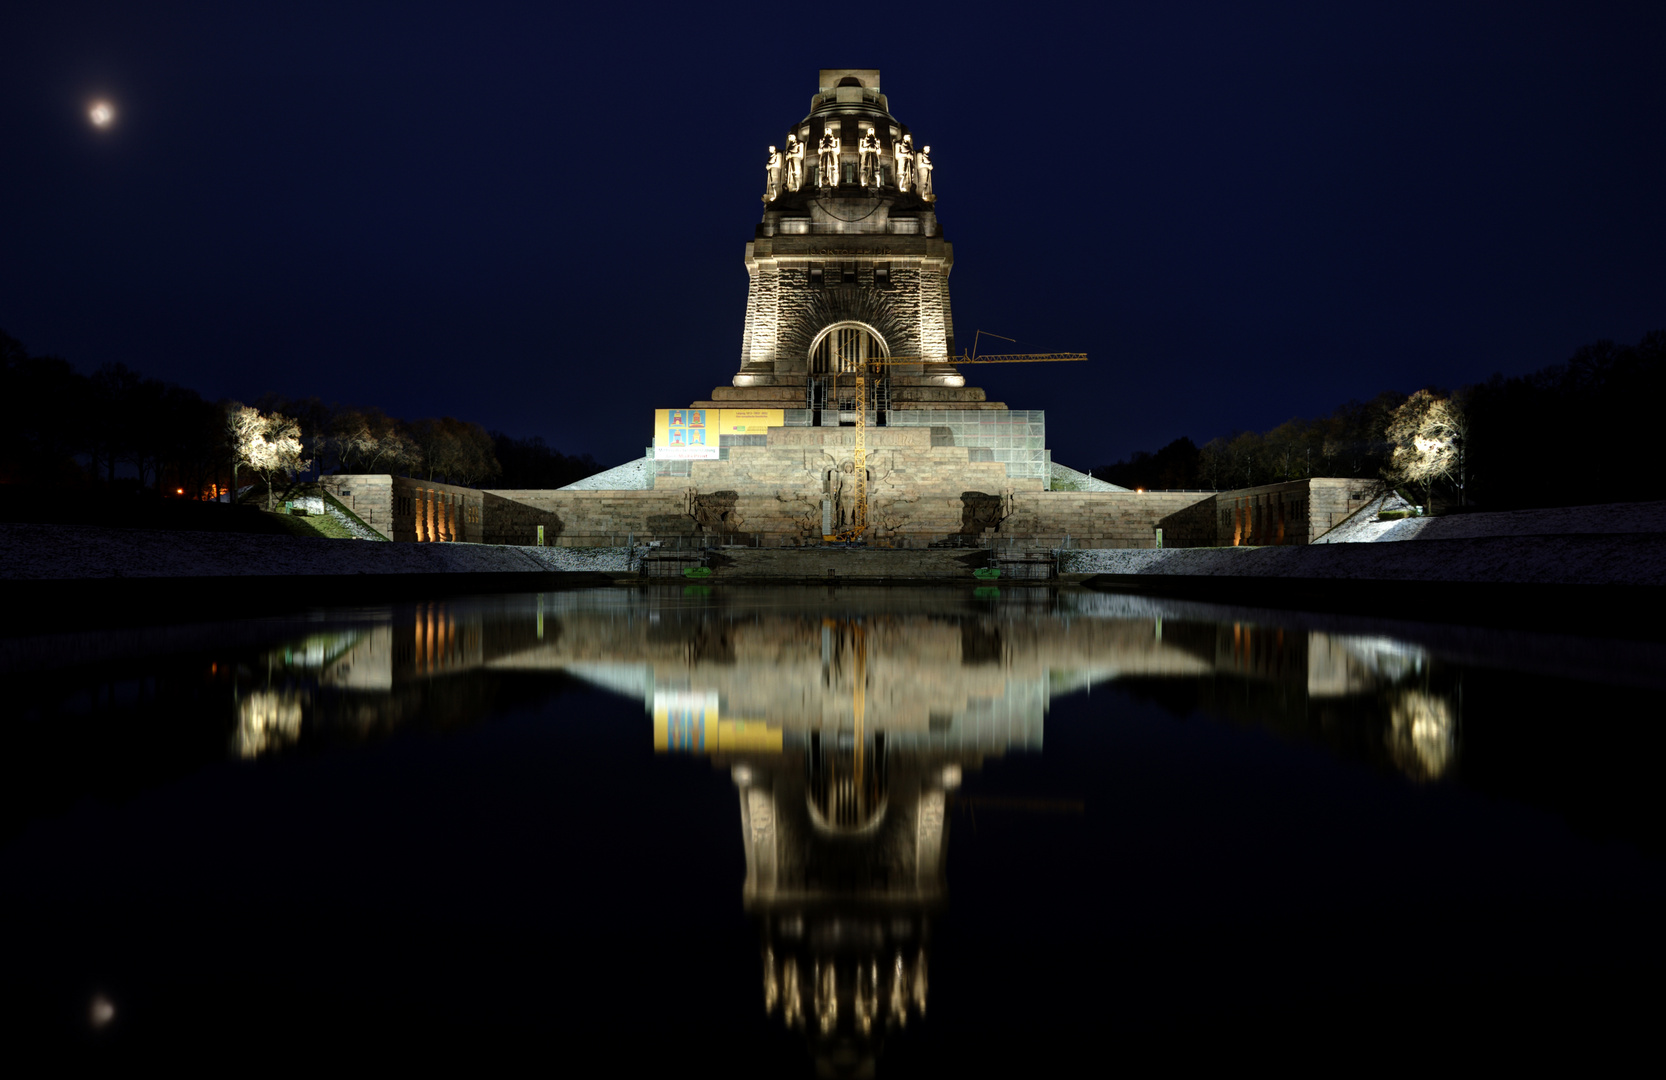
{"x":872,"y":368}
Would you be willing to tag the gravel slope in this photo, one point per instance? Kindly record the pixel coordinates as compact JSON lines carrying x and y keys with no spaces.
{"x":633,"y":475}
{"x":1613,"y":544}
{"x":1606,"y":519}
{"x":1634,"y":559}
{"x":47,"y":552}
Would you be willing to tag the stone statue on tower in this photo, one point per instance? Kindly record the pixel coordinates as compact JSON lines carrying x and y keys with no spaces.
{"x":869,"y":159}
{"x":772,"y":175}
{"x":827,"y":165}
{"x":923,"y":166}
{"x":795,"y":163}
{"x":904,"y":154}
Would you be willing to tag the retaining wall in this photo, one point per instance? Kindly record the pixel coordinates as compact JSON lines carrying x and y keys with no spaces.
{"x":368,"y":496}
{"x":1295,"y":512}
{"x":900,"y":514}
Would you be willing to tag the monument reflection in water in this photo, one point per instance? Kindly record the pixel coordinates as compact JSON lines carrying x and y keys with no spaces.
{"x":847,"y":722}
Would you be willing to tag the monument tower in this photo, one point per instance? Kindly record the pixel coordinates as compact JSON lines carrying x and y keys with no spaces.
{"x":848,"y":264}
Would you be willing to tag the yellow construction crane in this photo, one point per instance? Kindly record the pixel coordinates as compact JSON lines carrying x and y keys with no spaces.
{"x":852,"y":533}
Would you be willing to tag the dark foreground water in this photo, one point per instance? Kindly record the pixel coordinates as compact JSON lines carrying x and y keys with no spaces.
{"x":771,"y":832}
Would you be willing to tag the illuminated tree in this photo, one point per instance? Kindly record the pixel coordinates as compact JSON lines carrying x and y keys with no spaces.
{"x":267,"y":443}
{"x":1426,"y":433}
{"x":242,"y":426}
{"x":312,"y":415}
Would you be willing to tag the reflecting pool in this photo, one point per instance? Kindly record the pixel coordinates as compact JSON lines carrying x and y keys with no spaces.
{"x":832,"y":831}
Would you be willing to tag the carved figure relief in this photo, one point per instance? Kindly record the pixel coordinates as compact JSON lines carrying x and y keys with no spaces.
{"x":904,"y":154}
{"x":980,"y":512}
{"x":827,"y":160}
{"x":715,"y":512}
{"x":795,"y":163}
{"x":922,"y":168}
{"x":772,"y":175}
{"x":928,"y":842}
{"x":760,"y":823}
{"x":869,"y":160}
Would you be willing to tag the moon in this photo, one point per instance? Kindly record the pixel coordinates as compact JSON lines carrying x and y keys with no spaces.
{"x":102,"y":114}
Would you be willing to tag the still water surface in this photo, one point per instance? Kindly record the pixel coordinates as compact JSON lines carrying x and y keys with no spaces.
{"x":834,"y":830}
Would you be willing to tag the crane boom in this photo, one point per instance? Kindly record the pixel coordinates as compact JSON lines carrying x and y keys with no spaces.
{"x":1009,"y":358}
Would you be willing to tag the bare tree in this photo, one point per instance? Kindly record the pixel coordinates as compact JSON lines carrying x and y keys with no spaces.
{"x":459,"y":451}
{"x":1288,"y":449}
{"x":1458,"y":472}
{"x":115,"y":388}
{"x":476,"y":459}
{"x":1214,"y":463}
{"x":367,"y":440}
{"x":1245,"y":451}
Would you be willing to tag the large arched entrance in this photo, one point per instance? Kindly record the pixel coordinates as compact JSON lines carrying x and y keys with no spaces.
{"x":836,"y":356}
{"x":842,"y":348}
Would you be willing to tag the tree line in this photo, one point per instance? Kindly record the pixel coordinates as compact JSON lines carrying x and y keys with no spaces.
{"x":1575,"y":432}
{"x":117,"y":428}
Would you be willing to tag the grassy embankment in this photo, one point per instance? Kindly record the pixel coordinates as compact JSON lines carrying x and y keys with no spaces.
{"x":325,"y":526}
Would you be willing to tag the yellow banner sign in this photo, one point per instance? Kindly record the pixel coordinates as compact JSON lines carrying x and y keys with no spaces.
{"x":684,"y":433}
{"x":749,"y":421}
{"x":693,"y":433}
{"x":687,"y":722}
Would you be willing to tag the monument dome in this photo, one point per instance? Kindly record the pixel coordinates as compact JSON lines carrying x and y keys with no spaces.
{"x":847,"y":167}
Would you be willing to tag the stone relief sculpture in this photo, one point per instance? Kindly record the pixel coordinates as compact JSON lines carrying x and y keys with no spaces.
{"x":922,"y":168}
{"x":772,"y":175}
{"x":904,"y":153}
{"x":869,"y":159}
{"x":795,"y":163}
{"x":827,"y":161}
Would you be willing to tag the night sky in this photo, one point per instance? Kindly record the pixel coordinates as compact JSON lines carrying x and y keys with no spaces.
{"x":533,"y":216}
